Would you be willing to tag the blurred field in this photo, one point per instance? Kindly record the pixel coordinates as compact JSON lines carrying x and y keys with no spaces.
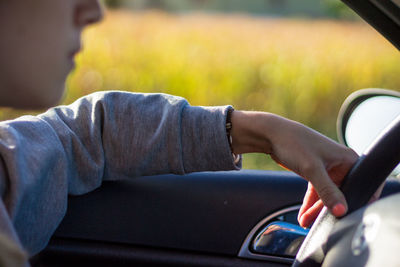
{"x":301,"y":69}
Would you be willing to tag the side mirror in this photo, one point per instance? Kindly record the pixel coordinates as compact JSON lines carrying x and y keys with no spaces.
{"x":364,"y":115}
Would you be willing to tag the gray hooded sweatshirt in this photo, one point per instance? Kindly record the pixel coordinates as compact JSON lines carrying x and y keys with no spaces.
{"x":70,"y":150}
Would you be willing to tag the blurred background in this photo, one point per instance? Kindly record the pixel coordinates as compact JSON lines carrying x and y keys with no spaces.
{"x":299,"y":59}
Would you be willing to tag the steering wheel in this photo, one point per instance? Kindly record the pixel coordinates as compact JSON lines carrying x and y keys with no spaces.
{"x":367,"y":174}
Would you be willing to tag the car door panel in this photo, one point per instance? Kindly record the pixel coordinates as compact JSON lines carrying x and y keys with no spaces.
{"x":174,"y":219}
{"x":204,"y":212}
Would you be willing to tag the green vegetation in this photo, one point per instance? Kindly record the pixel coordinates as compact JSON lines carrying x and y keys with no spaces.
{"x":303,"y":8}
{"x":301,"y":69}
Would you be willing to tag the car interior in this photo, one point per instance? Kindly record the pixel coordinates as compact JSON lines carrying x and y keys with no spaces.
{"x":238,"y":218}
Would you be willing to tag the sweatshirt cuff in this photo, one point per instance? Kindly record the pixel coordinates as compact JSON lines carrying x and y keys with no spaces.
{"x":205,"y":146}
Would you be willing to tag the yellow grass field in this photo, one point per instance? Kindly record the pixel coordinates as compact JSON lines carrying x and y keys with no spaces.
{"x":301,"y":69}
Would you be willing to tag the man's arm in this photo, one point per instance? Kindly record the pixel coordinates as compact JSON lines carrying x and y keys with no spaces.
{"x":103,"y":136}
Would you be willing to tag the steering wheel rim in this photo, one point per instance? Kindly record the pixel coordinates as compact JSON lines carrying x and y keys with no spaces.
{"x":367,"y":174}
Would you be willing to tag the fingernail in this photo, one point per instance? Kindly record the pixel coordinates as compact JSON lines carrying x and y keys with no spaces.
{"x":339,"y":210}
{"x":299,"y":219}
{"x":302,"y":222}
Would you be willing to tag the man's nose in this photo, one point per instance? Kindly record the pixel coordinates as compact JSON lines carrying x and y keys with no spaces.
{"x":88,"y":12}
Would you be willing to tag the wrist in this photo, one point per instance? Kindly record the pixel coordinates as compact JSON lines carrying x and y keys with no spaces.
{"x":249,"y":132}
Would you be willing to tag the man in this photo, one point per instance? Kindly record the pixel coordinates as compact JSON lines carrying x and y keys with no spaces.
{"x":116,"y":135}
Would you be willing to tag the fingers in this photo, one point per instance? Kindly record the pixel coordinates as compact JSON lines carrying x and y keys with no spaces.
{"x":312,"y":206}
{"x":309,"y":200}
{"x":314,"y":202}
{"x":328,"y":192}
{"x":309,"y":216}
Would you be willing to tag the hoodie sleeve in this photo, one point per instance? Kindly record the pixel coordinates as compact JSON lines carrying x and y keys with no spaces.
{"x":103,"y":136}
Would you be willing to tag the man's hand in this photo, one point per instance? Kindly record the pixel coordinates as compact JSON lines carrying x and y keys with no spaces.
{"x":316,"y":158}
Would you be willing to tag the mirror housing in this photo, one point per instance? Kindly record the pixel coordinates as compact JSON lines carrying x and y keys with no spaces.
{"x":363,"y":116}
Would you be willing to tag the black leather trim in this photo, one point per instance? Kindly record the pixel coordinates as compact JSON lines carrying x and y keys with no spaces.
{"x":203,"y":212}
{"x":77,"y":253}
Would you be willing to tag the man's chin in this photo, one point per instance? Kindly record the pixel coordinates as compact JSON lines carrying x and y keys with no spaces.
{"x":49,"y":100}
{"x":33,"y":99}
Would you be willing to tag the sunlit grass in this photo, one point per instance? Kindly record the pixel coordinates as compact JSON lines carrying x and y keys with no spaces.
{"x":301,"y":69}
